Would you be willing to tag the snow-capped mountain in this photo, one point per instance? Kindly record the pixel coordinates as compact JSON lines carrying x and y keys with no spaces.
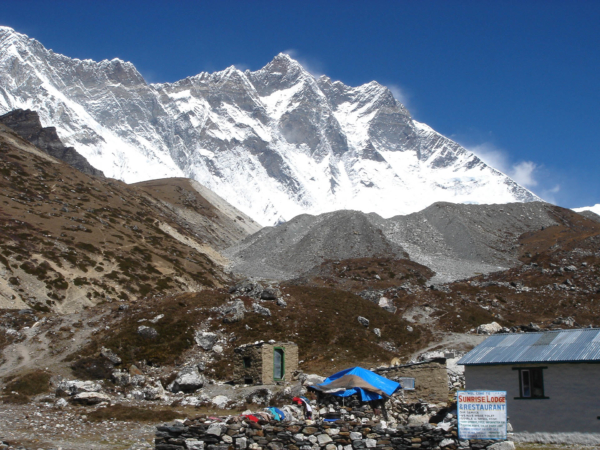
{"x":275,"y":143}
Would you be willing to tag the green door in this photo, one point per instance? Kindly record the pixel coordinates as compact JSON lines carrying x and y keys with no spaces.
{"x":278,"y":364}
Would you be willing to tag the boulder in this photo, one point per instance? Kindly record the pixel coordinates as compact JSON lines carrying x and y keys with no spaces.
{"x":147,"y":332}
{"x":363,"y":321}
{"x":311,"y":379}
{"x":205,"y":339}
{"x":271,"y":293}
{"x":110,"y":355}
{"x":377,"y":332}
{"x":153,"y":391}
{"x":188,"y":380}
{"x":220,"y":401}
{"x":489,"y":328}
{"x":417,"y":420}
{"x":74,"y":387}
{"x":121,"y":378}
{"x":90,"y":398}
{"x":233,"y":311}
{"x":261,"y":310}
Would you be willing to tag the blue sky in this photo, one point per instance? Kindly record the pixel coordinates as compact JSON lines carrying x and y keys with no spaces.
{"x":514,"y":81}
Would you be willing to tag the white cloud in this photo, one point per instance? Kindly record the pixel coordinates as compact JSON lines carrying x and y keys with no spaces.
{"x":523,"y":172}
{"x":400,"y":94}
{"x":311,"y":65}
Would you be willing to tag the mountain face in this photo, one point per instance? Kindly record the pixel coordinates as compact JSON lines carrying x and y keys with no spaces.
{"x":275,"y":143}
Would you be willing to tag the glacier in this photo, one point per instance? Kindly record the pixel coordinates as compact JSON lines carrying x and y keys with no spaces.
{"x":275,"y":143}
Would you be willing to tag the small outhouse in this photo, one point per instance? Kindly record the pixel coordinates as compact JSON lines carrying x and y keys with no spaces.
{"x":265,"y":362}
{"x":552,"y":382}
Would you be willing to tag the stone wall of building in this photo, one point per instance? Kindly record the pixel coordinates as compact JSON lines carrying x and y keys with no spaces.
{"x":243,"y":374}
{"x":290,"y":360}
{"x":240,"y":433}
{"x":431,"y":380}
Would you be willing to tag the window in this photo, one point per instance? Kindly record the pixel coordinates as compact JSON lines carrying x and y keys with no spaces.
{"x":248,"y":380}
{"x":278,"y":364}
{"x":531,"y":382}
{"x":247,"y":362}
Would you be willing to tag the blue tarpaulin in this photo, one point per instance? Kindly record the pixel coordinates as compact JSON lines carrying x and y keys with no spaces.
{"x":357,"y":380}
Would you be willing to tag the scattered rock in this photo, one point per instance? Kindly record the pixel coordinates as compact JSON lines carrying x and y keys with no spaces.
{"x":377,"y":332}
{"x":188,"y":380}
{"x":205,"y":339}
{"x":154,"y":391}
{"x":261,"y":310}
{"x":220,"y":401}
{"x":489,"y":328}
{"x":74,"y":387}
{"x":90,"y":398}
{"x":147,"y":332}
{"x":110,"y":355}
{"x":233,"y":311}
{"x":363,"y":321}
{"x":271,"y":293}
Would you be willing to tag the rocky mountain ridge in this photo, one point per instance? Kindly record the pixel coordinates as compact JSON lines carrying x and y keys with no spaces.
{"x":26,"y":123}
{"x":275,"y":143}
{"x":69,"y":240}
{"x":455,"y":241}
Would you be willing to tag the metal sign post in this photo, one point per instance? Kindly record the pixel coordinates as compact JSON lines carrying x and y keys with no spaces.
{"x":481,"y":414}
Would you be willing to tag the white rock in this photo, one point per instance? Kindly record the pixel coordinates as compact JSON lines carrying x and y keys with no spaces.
{"x":220,"y":401}
{"x":241,"y":443}
{"x":506,"y":445}
{"x":90,"y":398}
{"x":417,"y":420}
{"x":332,"y":431}
{"x":489,"y":328}
{"x":370,"y":443}
{"x":74,"y":387}
{"x":194,"y":444}
{"x":61,"y":403}
{"x":227,"y":439}
{"x":205,"y":339}
{"x":215,"y":429}
{"x":446,"y":443}
{"x":323,"y":439}
{"x":355,"y":436}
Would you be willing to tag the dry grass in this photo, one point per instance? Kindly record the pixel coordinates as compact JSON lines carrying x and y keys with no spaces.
{"x":20,"y":389}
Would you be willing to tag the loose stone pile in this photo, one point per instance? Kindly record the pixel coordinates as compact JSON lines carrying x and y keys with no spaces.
{"x":204,"y":433}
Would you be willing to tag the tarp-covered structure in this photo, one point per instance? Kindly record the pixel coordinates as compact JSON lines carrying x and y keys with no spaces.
{"x":357,"y":380}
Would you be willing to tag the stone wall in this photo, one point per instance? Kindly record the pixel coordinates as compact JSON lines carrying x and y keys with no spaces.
{"x":241,"y":374}
{"x":290,"y":360}
{"x":431,"y":380}
{"x":240,"y":433}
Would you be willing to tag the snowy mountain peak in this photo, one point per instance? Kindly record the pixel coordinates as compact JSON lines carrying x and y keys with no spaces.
{"x":275,"y":142}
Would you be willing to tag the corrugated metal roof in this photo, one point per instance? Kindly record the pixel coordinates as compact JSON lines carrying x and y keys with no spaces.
{"x":549,"y":346}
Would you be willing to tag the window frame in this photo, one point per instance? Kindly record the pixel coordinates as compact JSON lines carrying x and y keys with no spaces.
{"x":529,"y":370}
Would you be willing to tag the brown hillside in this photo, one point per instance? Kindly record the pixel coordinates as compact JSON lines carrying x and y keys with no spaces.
{"x":70,"y":240}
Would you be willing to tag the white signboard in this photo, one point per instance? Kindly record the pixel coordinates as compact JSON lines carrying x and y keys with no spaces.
{"x":481,"y":414}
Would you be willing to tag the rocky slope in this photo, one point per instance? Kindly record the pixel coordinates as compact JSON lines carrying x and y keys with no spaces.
{"x":455,"y":241}
{"x":275,"y":143}
{"x":26,"y":123}
{"x":69,"y":240}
